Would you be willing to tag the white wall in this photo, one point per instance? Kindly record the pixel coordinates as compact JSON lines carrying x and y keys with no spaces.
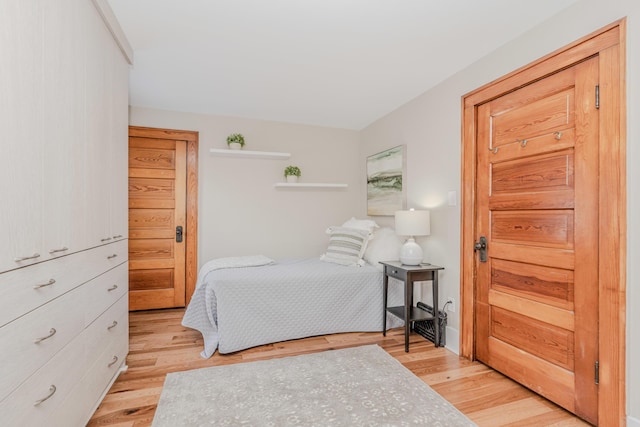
{"x":430,"y":125}
{"x":240,"y":211}
{"x":247,"y":215}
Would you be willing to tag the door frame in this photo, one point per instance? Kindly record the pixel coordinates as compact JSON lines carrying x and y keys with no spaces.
{"x":610,"y":44}
{"x":191,"y":225}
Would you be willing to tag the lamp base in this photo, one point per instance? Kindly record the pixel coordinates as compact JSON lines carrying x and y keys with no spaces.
{"x":411,"y":253}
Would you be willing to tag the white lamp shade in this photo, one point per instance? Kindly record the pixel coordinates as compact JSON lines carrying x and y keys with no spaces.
{"x":413,"y":223}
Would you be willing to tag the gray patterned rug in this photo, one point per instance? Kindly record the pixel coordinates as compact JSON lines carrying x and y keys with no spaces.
{"x":361,"y":386}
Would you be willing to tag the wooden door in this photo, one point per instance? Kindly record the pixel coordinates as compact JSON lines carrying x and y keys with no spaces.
{"x":536,"y":301}
{"x":157,"y":205}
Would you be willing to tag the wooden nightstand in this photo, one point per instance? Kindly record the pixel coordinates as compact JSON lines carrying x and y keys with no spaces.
{"x":409,"y":274}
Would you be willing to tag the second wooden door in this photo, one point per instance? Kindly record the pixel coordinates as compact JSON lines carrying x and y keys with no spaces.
{"x":157,"y":204}
{"x":537,"y":187}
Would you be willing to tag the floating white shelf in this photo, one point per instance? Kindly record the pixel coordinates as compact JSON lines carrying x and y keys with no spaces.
{"x":308,"y":185}
{"x":247,"y":154}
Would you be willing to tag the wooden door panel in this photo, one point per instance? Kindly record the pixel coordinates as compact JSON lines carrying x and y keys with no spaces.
{"x":152,"y":143}
{"x":153,"y":298}
{"x":542,"y":339}
{"x":151,"y":158}
{"x":157,"y":203}
{"x":540,"y":117}
{"x":152,"y":234}
{"x":548,"y":228}
{"x":151,"y":264}
{"x":151,"y":248}
{"x":161,"y":219}
{"x":561,"y":199}
{"x":533,"y":309}
{"x":152,"y":188}
{"x":546,"y":284}
{"x":560,"y":139}
{"x":555,"y":383}
{"x":152,"y":173}
{"x":543,"y":256}
{"x":151,"y":279}
{"x":533,"y":174}
{"x":562,"y":80}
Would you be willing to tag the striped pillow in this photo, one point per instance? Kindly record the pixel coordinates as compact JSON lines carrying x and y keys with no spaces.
{"x":346,"y":246}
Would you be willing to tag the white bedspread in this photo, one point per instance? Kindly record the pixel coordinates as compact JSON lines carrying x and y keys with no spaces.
{"x":260,"y":301}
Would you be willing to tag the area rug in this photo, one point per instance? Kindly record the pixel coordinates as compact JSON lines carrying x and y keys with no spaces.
{"x":361,"y":386}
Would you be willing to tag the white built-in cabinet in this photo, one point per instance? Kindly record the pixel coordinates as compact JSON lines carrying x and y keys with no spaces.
{"x":63,"y":208}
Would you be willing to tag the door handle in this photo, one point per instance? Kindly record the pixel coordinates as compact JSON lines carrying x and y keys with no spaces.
{"x":179,"y":234}
{"x":481,"y":246}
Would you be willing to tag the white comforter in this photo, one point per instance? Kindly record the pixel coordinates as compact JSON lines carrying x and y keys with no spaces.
{"x":243,"y":302}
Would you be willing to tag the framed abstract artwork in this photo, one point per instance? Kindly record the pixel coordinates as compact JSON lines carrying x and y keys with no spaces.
{"x":386,"y":190}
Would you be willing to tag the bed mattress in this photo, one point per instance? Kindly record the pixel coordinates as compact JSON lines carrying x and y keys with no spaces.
{"x":242,"y":307}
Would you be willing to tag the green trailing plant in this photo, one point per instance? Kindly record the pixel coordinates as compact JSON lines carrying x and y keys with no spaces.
{"x":292,"y":171}
{"x":236,"y":137}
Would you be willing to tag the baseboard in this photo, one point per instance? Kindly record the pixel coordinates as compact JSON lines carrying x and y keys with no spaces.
{"x":633,"y":422}
{"x":453,"y":341}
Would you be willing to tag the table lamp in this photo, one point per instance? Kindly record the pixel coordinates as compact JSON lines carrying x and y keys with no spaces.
{"x":412,"y":223}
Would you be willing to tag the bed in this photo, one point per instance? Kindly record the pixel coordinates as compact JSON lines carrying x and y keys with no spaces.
{"x":244,"y":302}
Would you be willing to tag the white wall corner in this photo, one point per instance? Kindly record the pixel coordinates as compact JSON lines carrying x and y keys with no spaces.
{"x":633,"y":422}
{"x":113,"y":25}
{"x":453,"y":341}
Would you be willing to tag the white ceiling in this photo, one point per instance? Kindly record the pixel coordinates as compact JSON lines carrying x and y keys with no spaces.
{"x":336,"y":63}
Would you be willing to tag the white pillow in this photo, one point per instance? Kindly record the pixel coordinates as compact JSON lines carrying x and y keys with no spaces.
{"x":361,"y":224}
{"x":346,"y":246}
{"x":385,"y":246}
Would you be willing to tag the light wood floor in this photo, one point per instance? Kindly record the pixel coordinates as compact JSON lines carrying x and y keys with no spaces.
{"x":159,"y":345}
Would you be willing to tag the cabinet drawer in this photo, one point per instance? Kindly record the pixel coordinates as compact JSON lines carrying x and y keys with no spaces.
{"x":112,"y":325}
{"x":30,"y":341}
{"x":102,"y":374}
{"x":55,"y":379}
{"x":107,"y":365}
{"x":25,"y":289}
{"x":102,"y":344}
{"x":103,"y":291}
{"x":112,"y":254}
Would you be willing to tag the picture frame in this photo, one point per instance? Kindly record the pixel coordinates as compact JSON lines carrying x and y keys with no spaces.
{"x":386,"y":182}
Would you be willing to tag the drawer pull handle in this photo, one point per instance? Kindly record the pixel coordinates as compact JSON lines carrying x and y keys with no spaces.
{"x":52,"y":332}
{"x":55,"y":251}
{"x":113,"y":325}
{"x":118,"y":236}
{"x":113,"y":362}
{"x":42,"y":285}
{"x":52,"y":391}
{"x":395,"y":271}
{"x":24,"y":258}
{"x":113,"y":288}
{"x":112,"y":256}
{"x":106,"y":239}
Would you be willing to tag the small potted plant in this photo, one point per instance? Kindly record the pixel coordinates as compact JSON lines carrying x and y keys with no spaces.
{"x":292,"y":173}
{"x":235,"y":141}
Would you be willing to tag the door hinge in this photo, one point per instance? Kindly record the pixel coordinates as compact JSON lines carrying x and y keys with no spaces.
{"x":597,"y":372}
{"x":597,"y":97}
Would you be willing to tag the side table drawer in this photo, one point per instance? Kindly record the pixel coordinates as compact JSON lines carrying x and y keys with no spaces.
{"x":396,"y":273}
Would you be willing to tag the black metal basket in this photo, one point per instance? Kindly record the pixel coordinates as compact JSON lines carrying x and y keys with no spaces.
{"x":425,"y":327}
